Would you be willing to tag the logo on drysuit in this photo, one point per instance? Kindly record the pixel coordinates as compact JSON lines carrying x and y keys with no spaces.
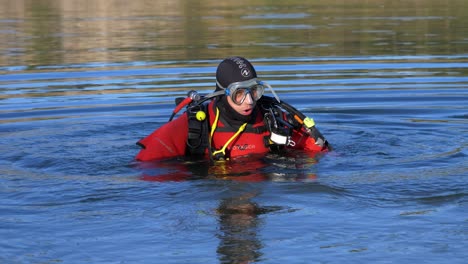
{"x":243,"y":147}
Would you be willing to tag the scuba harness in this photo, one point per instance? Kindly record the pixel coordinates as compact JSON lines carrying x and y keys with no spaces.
{"x":280,"y":119}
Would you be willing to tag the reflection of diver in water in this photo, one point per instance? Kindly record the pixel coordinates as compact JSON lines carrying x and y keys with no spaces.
{"x":239,"y":224}
{"x":238,"y":215}
{"x":238,"y":220}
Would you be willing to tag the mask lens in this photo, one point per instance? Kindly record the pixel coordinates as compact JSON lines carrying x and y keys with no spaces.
{"x":257,"y":91}
{"x":239,"y":95}
{"x":238,"y":91}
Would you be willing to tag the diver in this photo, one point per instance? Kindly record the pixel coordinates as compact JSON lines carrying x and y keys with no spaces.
{"x":237,"y":119}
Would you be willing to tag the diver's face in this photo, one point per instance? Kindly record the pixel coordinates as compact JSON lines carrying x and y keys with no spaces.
{"x":246,"y":107}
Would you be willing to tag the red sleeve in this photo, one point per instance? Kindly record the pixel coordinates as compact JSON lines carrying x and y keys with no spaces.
{"x":168,"y":141}
{"x":305,"y":142}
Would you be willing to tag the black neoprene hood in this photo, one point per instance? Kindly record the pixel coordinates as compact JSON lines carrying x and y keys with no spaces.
{"x":234,"y":69}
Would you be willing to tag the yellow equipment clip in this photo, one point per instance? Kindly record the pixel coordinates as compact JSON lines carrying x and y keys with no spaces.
{"x":309,"y":122}
{"x":200,"y":115}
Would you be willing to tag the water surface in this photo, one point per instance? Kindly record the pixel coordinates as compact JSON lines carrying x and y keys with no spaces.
{"x":82,"y":81}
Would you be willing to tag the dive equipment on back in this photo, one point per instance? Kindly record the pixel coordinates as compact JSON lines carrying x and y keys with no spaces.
{"x":280,"y":119}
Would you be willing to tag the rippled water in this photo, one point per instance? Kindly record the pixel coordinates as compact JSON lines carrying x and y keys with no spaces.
{"x":394,"y":106}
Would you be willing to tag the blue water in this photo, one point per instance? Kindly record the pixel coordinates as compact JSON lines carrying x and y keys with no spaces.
{"x":394,"y":190}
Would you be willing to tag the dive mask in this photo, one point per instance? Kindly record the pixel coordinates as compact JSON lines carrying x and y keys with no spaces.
{"x":239,"y":90}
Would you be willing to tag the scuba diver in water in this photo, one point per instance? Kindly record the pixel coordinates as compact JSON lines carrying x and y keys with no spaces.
{"x":235,"y":120}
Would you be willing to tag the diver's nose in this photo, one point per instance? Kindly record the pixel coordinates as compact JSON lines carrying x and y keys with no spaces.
{"x":248,"y":98}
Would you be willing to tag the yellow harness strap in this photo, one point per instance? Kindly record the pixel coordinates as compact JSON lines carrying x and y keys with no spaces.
{"x":213,"y":128}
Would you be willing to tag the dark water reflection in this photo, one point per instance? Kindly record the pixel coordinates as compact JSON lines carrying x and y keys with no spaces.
{"x":64,"y":33}
{"x":82,"y":81}
{"x":238,"y":225}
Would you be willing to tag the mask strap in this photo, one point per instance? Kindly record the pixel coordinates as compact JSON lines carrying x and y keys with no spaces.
{"x":271,"y":90}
